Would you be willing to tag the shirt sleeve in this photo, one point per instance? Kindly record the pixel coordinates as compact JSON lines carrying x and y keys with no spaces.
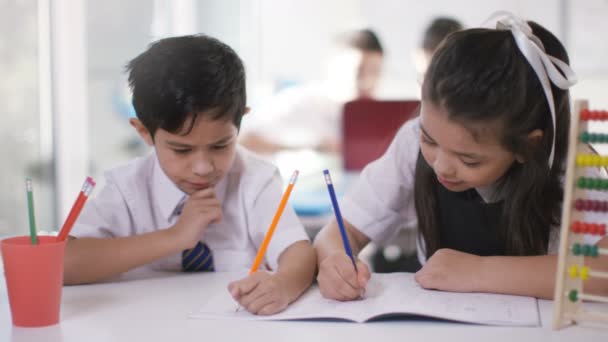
{"x":289,"y":228}
{"x":104,"y":216}
{"x":382,"y":200}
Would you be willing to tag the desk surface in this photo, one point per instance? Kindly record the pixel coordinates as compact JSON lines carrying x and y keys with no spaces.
{"x":157,"y":308}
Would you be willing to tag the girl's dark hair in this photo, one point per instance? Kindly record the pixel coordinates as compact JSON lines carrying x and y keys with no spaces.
{"x":177,"y":78}
{"x":480,"y":76}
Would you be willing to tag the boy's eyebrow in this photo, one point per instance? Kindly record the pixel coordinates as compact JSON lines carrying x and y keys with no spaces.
{"x":182,"y":145}
{"x":462,"y":154}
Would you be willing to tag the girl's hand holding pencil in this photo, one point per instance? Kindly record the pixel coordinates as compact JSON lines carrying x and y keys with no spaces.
{"x":339,"y":280}
{"x":341,"y":275}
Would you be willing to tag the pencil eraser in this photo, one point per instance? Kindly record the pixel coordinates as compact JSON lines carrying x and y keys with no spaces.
{"x":91,"y":181}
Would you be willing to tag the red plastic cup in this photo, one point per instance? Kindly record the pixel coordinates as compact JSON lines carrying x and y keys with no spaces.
{"x":34,"y":279}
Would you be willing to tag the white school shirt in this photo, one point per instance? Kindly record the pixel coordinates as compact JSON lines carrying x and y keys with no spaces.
{"x":382,"y":201}
{"x":139,"y":198}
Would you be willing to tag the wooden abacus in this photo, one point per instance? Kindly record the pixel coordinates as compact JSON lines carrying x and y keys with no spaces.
{"x":571,"y":270}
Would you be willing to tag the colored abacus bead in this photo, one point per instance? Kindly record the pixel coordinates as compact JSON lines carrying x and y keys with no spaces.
{"x":580,"y":160}
{"x":597,"y":183}
{"x":573,"y":296}
{"x":594,"y":137}
{"x":585,"y":115}
{"x":584,"y":228}
{"x":586,"y":250}
{"x":581,"y":182}
{"x":584,"y":137}
{"x":573,"y":271}
{"x":584,"y":273}
{"x":578,"y":204}
{"x":576,"y":227}
{"x":593,"y":205}
{"x":576,"y":249}
{"x":594,"y":252}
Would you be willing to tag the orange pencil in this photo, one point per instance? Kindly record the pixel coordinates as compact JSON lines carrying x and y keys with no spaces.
{"x":273,"y":225}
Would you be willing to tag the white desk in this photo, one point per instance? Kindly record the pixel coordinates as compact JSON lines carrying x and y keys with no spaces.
{"x":157,"y":309}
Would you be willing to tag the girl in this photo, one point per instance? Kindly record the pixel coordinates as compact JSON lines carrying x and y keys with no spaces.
{"x":480,"y":170}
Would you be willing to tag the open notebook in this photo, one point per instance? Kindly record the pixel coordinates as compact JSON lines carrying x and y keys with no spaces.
{"x":392,"y":295}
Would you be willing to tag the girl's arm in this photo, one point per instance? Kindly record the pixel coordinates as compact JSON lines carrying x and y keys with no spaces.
{"x":452,"y":270}
{"x":329,"y":241}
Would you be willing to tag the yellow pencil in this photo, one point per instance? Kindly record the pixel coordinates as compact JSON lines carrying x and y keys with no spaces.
{"x":260,"y":256}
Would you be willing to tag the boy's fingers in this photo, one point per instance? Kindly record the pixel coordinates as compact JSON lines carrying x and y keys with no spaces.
{"x":207,"y":192}
{"x":245,"y":286}
{"x":234,"y":290}
{"x":270,"y":309}
{"x":258,"y":303}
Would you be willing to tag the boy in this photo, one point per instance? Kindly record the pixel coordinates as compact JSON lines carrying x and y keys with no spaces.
{"x":198,"y":202}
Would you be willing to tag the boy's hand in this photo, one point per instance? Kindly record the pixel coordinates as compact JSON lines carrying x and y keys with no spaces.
{"x":450,"y":270}
{"x":261,"y":293}
{"x":338,"y":279}
{"x":200,"y":210}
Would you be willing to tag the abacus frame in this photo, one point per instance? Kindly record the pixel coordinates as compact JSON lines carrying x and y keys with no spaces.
{"x":565,"y":311}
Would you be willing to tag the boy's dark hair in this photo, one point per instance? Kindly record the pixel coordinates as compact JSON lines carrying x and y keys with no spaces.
{"x":364,"y":40}
{"x":177,"y":78}
{"x":480,"y":76}
{"x":437,"y":30}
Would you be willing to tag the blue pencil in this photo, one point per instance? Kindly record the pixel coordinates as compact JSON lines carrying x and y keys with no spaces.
{"x":334,"y":202}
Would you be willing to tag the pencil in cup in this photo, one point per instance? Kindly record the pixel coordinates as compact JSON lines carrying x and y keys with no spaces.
{"x":29,"y":189}
{"x":86,"y":190}
{"x":334,"y":202}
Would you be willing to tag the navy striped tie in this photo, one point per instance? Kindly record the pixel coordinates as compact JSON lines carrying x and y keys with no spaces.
{"x":197,"y":259}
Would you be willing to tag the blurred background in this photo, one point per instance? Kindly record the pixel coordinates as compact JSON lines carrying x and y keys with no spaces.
{"x":64,"y":102}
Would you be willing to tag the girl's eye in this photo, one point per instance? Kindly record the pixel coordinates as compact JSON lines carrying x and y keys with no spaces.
{"x":219,"y":147}
{"x":182,"y":151}
{"x":428,"y":141}
{"x":471,"y":164}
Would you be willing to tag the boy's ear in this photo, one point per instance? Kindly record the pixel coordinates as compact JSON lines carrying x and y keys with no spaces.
{"x":534,"y":138}
{"x":142,"y":131}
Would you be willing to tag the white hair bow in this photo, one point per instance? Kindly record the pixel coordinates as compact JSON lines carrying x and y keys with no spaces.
{"x":545,"y":66}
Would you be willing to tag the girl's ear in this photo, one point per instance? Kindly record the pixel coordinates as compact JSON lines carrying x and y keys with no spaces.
{"x":142,"y":131}
{"x":534,"y":138}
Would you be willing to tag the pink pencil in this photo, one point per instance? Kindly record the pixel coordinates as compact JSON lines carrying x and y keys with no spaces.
{"x":87,"y":187}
